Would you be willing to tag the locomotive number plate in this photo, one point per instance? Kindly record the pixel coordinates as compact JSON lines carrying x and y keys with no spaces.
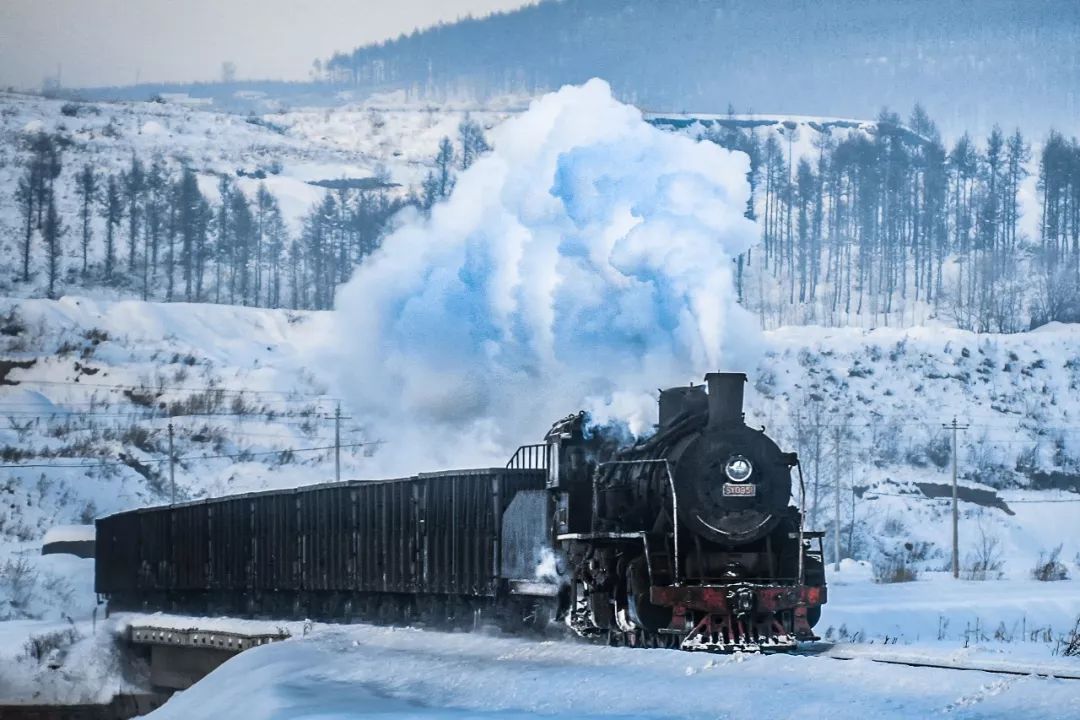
{"x":733,"y":490}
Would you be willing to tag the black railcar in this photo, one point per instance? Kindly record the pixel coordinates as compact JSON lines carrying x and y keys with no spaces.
{"x":400,"y":548}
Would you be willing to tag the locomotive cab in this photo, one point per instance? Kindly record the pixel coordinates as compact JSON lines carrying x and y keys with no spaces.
{"x":686,"y":538}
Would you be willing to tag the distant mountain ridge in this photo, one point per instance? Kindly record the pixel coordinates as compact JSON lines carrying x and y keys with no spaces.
{"x":1014,"y":62}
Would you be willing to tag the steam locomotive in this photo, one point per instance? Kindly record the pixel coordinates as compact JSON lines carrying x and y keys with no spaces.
{"x":685,"y":539}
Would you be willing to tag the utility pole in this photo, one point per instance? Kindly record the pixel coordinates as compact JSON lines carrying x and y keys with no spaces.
{"x":172,"y":465}
{"x":851,"y":528}
{"x":817,"y":471}
{"x":836,"y":505}
{"x":954,"y":426}
{"x":337,"y":442}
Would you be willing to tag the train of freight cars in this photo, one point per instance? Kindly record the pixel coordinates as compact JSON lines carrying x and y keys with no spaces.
{"x":685,"y":539}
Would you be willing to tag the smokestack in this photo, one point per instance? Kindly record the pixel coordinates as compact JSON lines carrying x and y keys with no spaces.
{"x":725,"y":398}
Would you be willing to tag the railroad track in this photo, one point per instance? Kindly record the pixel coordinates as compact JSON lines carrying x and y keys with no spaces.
{"x":1062,"y":671}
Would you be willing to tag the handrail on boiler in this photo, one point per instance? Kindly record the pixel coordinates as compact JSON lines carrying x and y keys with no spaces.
{"x":674,"y":501}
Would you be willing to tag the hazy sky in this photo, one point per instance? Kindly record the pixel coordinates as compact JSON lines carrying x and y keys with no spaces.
{"x":107,"y":42}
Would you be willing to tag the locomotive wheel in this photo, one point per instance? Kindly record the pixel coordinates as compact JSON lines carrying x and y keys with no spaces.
{"x":642,"y":611}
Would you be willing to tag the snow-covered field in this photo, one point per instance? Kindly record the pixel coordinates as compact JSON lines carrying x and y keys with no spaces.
{"x":357,"y":671}
{"x":330,"y":671}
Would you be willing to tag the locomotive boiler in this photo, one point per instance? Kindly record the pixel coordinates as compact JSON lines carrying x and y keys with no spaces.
{"x":684,"y":539}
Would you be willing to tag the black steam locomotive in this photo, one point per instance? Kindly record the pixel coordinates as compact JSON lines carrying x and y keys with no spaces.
{"x":686,"y":539}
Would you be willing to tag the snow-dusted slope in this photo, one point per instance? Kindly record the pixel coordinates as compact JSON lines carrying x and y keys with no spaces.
{"x":866,"y":409}
{"x":86,"y":409}
{"x":84,"y":423}
{"x":285,"y":150}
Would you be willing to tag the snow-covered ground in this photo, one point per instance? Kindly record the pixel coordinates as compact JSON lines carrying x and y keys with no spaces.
{"x":356,"y":671}
{"x":1013,"y":617}
{"x":865,"y":411}
{"x":85,"y":431}
{"x":330,"y":671}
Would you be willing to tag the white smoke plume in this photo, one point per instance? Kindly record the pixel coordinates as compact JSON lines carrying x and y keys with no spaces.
{"x":583,"y":263}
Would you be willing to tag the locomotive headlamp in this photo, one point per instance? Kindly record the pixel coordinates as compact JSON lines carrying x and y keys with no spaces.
{"x":738,"y":469}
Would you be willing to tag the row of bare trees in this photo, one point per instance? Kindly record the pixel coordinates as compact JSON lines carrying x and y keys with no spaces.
{"x":882,"y":227}
{"x":150,"y":228}
{"x":879,"y":225}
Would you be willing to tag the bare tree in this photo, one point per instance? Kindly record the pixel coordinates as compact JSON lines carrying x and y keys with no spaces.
{"x":52,"y":232}
{"x":113,"y":211}
{"x":24,"y":198}
{"x":87,"y":188}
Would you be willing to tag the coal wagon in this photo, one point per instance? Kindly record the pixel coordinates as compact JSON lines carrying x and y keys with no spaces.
{"x":438,"y":545}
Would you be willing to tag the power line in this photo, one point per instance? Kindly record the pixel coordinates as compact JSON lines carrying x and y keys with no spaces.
{"x":230,"y":429}
{"x":108,"y":401}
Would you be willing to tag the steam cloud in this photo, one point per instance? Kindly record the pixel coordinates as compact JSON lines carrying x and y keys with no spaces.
{"x":586,"y":261}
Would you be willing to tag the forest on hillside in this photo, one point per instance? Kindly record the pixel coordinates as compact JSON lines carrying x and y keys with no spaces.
{"x":889,"y":226}
{"x":150,"y":231}
{"x":895,"y":226}
{"x":1015,"y":62}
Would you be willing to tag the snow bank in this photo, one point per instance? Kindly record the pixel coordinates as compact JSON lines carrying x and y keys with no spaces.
{"x":80,"y":662}
{"x":357,"y":671}
{"x":586,"y":259}
{"x":887,"y":393}
{"x":937,"y":607}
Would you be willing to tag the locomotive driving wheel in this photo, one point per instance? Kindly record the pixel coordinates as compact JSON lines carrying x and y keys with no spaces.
{"x":640,"y":609}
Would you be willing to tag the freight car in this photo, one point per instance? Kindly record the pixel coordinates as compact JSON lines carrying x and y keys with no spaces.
{"x":684,"y":539}
{"x":427,"y":547}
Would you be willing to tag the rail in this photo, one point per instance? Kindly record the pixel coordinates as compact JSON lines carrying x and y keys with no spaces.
{"x":530,"y":457}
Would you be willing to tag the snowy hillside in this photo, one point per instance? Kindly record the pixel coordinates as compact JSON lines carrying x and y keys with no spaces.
{"x":89,"y":388}
{"x":1005,"y":61}
{"x":292,"y":148}
{"x":382,"y":141}
{"x":837,"y":246}
{"x":865,"y":409}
